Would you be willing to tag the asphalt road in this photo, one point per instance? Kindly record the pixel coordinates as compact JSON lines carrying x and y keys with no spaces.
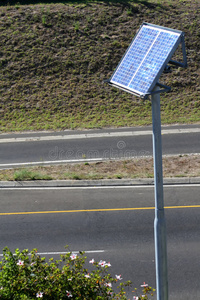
{"x":116,"y":224}
{"x":47,"y":148}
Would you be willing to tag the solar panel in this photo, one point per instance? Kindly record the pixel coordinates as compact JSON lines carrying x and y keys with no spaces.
{"x":146,"y":58}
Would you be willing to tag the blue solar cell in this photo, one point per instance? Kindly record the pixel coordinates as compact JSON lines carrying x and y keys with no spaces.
{"x":144,"y":59}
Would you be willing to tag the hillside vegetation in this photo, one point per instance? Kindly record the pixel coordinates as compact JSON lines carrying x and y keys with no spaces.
{"x":55,"y":57}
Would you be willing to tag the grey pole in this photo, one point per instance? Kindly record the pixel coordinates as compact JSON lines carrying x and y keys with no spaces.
{"x":159,"y":222}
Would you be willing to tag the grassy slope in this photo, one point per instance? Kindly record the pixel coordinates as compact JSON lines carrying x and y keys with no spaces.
{"x":55,"y":57}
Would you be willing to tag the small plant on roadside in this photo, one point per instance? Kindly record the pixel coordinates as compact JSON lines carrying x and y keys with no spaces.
{"x":26,"y":174}
{"x":43,"y":20}
{"x":146,"y":291}
{"x":76,"y":25}
{"x":25,"y":275}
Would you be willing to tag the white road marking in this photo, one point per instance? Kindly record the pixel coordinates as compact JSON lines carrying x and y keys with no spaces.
{"x":50,"y":162}
{"x":96,"y":135}
{"x":20,"y":188}
{"x":63,"y":253}
{"x":60,"y":253}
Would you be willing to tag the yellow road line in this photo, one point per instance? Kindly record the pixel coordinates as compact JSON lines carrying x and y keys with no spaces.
{"x":93,"y":210}
{"x":183,"y":206}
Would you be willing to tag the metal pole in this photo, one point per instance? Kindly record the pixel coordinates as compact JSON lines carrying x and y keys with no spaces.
{"x":159,"y":222}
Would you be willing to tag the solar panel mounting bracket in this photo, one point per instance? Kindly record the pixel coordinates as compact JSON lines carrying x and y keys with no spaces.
{"x":164,"y":87}
{"x":184,"y":63}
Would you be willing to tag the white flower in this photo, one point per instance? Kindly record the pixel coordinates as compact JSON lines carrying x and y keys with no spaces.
{"x":135,"y":298}
{"x":118,"y":277}
{"x":102,"y":263}
{"x":87,"y":276}
{"x":109,"y":293}
{"x":73,"y":256}
{"x":69,"y":295}
{"x":20,"y":262}
{"x":91,"y":261}
{"x":109,"y":284}
{"x":39,"y":294}
{"x":144,"y":285}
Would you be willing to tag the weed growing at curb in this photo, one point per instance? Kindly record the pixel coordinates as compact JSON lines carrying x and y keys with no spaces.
{"x":25,"y":174}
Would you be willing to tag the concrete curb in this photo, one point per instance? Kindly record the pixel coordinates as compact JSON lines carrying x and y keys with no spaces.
{"x":94,"y":183}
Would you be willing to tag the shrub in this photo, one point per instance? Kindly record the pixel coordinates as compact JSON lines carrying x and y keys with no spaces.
{"x":25,"y":275}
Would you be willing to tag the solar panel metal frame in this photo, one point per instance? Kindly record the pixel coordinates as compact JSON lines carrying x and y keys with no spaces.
{"x":167,"y":60}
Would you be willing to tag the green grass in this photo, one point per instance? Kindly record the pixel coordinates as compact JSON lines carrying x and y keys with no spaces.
{"x":25,"y":174}
{"x":54,"y":59}
{"x":78,"y":176}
